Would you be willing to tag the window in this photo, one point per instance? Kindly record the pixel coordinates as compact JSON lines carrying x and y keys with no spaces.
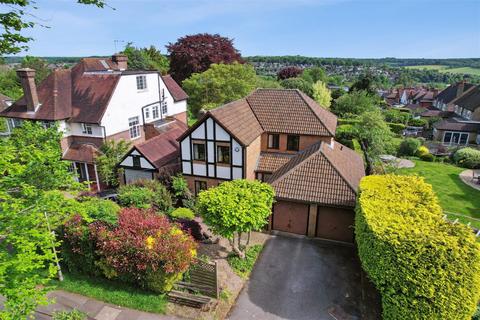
{"x":199,"y":186}
{"x":198,"y":151}
{"x":293,"y":142}
{"x":134,"y":127}
{"x":273,"y":141}
{"x":147,"y":113}
{"x":155,"y":112}
{"x":456,"y":137}
{"x":164,"y":107}
{"x":223,"y":154}
{"x":136,"y":161}
{"x":141,"y":82}
{"x":86,"y":128}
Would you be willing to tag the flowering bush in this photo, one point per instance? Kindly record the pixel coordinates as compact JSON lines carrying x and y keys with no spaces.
{"x":145,"y":248}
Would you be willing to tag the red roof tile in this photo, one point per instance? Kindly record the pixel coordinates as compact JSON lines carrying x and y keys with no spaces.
{"x":272,"y":161}
{"x":81,"y":152}
{"x":177,"y":92}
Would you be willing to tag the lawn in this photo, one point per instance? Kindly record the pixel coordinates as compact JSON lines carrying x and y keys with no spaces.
{"x":243,"y":267}
{"x":445,"y":69}
{"x":116,"y":293}
{"x":454,"y":195}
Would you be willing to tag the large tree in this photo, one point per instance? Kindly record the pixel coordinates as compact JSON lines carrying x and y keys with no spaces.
{"x":17,"y":17}
{"x":39,"y":65}
{"x":107,"y":163}
{"x":220,"y":84}
{"x":322,"y":94}
{"x":315,"y":74}
{"x":195,"y":53}
{"x":298,"y":83}
{"x":146,"y":58}
{"x":236,"y":207}
{"x":289,"y":72}
{"x":354,"y":104}
{"x":30,"y":170}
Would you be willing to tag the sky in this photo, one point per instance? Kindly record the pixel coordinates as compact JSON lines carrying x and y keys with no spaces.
{"x":318,"y":28}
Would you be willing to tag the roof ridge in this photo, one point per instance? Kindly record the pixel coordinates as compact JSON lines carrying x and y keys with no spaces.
{"x":254,"y":114}
{"x":310,"y":108}
{"x":464,"y":93}
{"x":336,"y":169}
{"x":301,"y":163}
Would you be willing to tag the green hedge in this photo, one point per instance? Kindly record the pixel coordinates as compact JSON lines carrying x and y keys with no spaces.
{"x":396,"y":128}
{"x":423,"y":266}
{"x":467,"y":158}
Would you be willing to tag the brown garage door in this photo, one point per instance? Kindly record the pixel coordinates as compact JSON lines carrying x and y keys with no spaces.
{"x":290,"y":217}
{"x":335,"y":224}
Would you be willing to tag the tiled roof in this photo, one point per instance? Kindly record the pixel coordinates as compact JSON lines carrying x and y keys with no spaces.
{"x":4,"y":101}
{"x":82,"y":152}
{"x":272,"y":161}
{"x":455,"y":125}
{"x":291,"y":111}
{"x":448,"y":94}
{"x":437,"y":113}
{"x":320,"y":174}
{"x":470,"y":100}
{"x":177,"y":92}
{"x":164,"y":147}
{"x":239,"y":120}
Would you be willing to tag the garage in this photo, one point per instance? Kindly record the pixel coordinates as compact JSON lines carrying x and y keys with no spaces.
{"x":290,"y":217}
{"x":132,"y":175}
{"x":335,"y":224}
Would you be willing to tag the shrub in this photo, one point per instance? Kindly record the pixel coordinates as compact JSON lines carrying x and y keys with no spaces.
{"x":396,"y":128}
{"x":145,"y":194}
{"x":418,"y":122}
{"x":146,"y":249}
{"x":162,"y":199}
{"x":191,"y":227}
{"x":424,"y":266}
{"x":69,"y":315}
{"x":427,"y":157}
{"x":467,"y":157}
{"x":100,"y":209}
{"x":182,"y":213}
{"x":345,"y":133}
{"x":408,"y":147}
{"x":181,"y":193}
{"x":422,"y":150}
{"x":394,"y":145}
{"x":396,"y":116}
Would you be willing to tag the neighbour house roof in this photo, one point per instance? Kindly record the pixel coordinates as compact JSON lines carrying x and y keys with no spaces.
{"x":291,"y":111}
{"x":5,"y":102}
{"x":470,"y":100}
{"x":455,"y":125}
{"x":322,"y":173}
{"x":449,"y":94}
{"x":437,"y":113}
{"x":81,"y":152}
{"x":272,"y":161}
{"x":177,"y":92}
{"x":164,"y":147}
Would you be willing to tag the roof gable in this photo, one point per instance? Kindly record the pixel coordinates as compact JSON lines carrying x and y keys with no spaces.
{"x":175,"y":90}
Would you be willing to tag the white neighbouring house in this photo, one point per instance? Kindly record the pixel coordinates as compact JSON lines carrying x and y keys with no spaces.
{"x":96,"y":100}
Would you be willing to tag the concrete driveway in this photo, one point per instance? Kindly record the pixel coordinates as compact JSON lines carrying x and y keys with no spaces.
{"x":302,"y":279}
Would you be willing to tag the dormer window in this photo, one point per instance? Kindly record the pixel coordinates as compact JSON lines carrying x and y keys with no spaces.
{"x":141,"y":82}
{"x":87,"y":128}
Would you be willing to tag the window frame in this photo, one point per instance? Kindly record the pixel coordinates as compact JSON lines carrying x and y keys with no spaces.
{"x":136,"y":161}
{"x":87,"y":128}
{"x":220,"y":159}
{"x":164,"y":107}
{"x":452,"y":134}
{"x":147,"y":113}
{"x":141,"y":82}
{"x":200,"y":185}
{"x":194,"y":156}
{"x":155,"y":112}
{"x":297,"y":147}
{"x":134,"y":127}
{"x":275,"y":141}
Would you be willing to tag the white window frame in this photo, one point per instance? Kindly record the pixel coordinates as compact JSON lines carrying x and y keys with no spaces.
{"x":87,"y":128}
{"x":134,"y":127}
{"x":141,"y":83}
{"x":147,"y":113}
{"x":155,"y":112}
{"x":459,"y":137}
{"x":164,"y":107}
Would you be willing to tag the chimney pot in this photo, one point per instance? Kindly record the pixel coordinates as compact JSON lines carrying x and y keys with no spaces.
{"x":121,"y":60}
{"x":27,"y":79}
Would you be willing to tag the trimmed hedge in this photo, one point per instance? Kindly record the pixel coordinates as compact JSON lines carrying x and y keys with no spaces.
{"x":409,"y":146}
{"x":396,"y":128}
{"x":423,"y":266}
{"x":467,"y":158}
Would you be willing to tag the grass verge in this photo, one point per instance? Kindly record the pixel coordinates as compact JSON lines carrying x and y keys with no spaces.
{"x":113,"y":292}
{"x":243,"y":267}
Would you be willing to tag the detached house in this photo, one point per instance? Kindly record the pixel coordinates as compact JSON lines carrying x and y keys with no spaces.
{"x":285,"y":138}
{"x":98,"y":99}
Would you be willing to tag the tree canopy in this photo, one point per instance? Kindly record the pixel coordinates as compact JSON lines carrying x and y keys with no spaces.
{"x":112,"y":153}
{"x":235,"y":207}
{"x":322,"y":94}
{"x":289,"y":72}
{"x":314,"y":74}
{"x":298,"y":83}
{"x":146,"y":58}
{"x":220,"y":84}
{"x":41,"y":67}
{"x":195,"y":53}
{"x":353,"y":104}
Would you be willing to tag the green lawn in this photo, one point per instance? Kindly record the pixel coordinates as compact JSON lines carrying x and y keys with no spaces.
{"x":113,"y":292}
{"x":445,"y":69}
{"x":454,"y":195}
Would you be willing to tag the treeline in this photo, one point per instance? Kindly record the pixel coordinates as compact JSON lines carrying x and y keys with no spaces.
{"x":392,"y":62}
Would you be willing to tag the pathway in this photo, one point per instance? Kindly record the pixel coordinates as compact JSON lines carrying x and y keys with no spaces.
{"x":467,"y":177}
{"x":95,"y":309}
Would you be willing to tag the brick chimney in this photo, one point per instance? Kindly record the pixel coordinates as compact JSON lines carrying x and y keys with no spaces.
{"x":460,"y":88}
{"x":27,"y":78}
{"x":121,"y":60}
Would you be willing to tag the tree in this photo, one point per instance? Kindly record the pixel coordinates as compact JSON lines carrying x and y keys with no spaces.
{"x":195,"y":53}
{"x":364,"y":83}
{"x":353,"y":104}
{"x":267,"y":83}
{"x":10,"y":84}
{"x":289,"y":72}
{"x":374,"y":136}
{"x":14,"y":22}
{"x":314,"y":74}
{"x":112,"y":153}
{"x":30,"y":168}
{"x":298,"y":83}
{"x":235,"y":207}
{"x":41,"y":67}
{"x":220,"y":84}
{"x":146,"y":59}
{"x":322,"y":94}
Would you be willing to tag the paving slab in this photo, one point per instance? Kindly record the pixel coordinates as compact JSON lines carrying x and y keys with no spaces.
{"x":108,"y":313}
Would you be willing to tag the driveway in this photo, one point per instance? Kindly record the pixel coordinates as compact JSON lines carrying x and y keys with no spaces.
{"x":302,"y":279}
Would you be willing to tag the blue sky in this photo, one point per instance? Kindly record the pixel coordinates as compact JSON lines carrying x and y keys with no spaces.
{"x":322,"y":28}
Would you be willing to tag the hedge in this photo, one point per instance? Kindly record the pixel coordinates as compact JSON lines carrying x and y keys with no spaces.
{"x":424,"y":266}
{"x":396,"y":128}
{"x":467,"y":158}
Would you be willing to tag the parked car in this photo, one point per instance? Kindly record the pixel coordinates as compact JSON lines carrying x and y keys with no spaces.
{"x":412,"y":131}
